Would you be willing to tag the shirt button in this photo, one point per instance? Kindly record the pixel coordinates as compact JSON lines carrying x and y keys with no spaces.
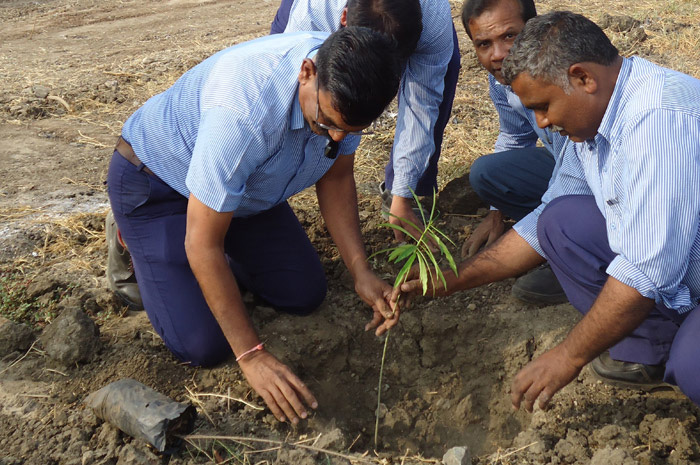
{"x":612,"y":226}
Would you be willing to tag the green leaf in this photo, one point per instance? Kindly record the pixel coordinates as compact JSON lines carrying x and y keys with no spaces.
{"x":403,"y":274}
{"x":423,"y":272}
{"x":401,"y":252}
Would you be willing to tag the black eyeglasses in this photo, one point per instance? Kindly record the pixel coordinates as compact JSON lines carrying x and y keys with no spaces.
{"x":327,"y":128}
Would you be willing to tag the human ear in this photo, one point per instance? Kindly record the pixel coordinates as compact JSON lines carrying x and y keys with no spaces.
{"x":344,"y":17}
{"x":582,"y":77}
{"x":307,"y":71}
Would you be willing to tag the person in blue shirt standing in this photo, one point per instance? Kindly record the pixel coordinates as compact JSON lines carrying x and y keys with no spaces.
{"x":428,"y":40}
{"x":620,"y":223}
{"x":198,"y":185}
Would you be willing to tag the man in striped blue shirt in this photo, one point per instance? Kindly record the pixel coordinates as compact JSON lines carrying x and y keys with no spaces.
{"x":199,"y":181}
{"x":620,"y":222}
{"x":427,"y":85}
{"x":513,"y":178}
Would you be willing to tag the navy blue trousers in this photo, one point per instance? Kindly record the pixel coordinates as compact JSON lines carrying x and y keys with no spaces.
{"x":571,"y":231}
{"x":269,"y":254}
{"x":427,"y":183}
{"x":514,"y":180}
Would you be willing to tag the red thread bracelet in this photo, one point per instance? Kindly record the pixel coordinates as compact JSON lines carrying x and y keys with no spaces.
{"x":250,"y":351}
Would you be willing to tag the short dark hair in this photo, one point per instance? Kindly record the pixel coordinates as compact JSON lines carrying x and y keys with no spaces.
{"x":400,"y":19}
{"x":360,"y":69}
{"x":551,"y":43}
{"x":474,"y":8}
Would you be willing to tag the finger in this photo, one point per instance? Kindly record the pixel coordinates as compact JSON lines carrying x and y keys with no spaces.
{"x":281,"y":392}
{"x":411,"y":286}
{"x":293,"y":390}
{"x":474,"y":248}
{"x":517,"y":390}
{"x":381,"y":307}
{"x":465,"y":249}
{"x":376,"y":319}
{"x":545,"y":397}
{"x":530,"y":397}
{"x":272,"y":404}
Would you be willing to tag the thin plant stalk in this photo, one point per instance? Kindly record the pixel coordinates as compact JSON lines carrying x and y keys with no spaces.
{"x":409,"y":254}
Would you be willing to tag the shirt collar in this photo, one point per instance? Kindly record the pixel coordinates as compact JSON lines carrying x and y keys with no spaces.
{"x":296,"y":118}
{"x":611,"y":118}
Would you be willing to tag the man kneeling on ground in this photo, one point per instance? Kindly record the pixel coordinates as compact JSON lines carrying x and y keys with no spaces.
{"x":199,"y":184}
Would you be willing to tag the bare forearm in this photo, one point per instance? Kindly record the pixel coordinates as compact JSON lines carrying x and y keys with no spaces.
{"x":223,"y":296}
{"x":617,"y":311}
{"x":508,"y":257}
{"x":338,"y":204}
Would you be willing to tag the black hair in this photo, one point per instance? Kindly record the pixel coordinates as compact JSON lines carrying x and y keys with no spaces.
{"x":400,"y":19}
{"x":474,"y":8}
{"x":551,"y":43}
{"x":360,"y":69}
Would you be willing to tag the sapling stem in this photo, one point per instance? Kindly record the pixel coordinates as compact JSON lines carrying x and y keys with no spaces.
{"x":421,"y":252}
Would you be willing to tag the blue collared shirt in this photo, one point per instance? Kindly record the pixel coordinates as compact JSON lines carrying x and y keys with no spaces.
{"x":422,"y":83}
{"x":643,"y":169}
{"x":231,"y":130}
{"x":518,"y":125}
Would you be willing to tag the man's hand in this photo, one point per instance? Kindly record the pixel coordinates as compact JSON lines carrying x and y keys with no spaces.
{"x":282,"y":391}
{"x":402,"y":208}
{"x":490,"y":229}
{"x":375,"y":292}
{"x":412,"y":286}
{"x":542,"y":378}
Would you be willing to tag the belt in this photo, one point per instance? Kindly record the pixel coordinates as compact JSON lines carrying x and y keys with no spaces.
{"x":127,"y":152}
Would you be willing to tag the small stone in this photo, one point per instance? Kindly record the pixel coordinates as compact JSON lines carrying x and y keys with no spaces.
{"x":14,"y":337}
{"x":71,"y":338}
{"x":332,"y":440}
{"x":41,"y":91}
{"x":457,"y":456}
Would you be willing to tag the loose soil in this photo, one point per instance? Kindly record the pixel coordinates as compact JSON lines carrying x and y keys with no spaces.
{"x":72,"y":72}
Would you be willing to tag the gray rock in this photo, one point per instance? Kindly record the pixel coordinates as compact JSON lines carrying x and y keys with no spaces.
{"x":332,"y":440}
{"x":132,"y":455}
{"x":457,"y":456}
{"x":41,"y":91}
{"x":71,"y":338}
{"x":14,"y":336}
{"x":294,"y":457}
{"x":42,"y":285}
{"x":610,"y":456}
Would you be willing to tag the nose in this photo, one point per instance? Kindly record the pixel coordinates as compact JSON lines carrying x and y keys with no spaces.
{"x":542,"y":120}
{"x":337,"y":135}
{"x":500,"y":51}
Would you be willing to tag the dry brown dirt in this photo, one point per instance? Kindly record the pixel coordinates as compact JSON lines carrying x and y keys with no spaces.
{"x":71,"y":71}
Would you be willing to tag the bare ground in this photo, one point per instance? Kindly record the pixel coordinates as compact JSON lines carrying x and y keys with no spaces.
{"x":72,"y":71}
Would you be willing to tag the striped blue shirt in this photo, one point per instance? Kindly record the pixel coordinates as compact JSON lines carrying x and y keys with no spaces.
{"x":422,"y":83}
{"x":231,"y":131}
{"x":518,"y":125}
{"x":643,"y":169}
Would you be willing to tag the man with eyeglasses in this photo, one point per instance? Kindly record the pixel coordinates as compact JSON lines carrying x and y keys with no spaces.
{"x":198,"y":185}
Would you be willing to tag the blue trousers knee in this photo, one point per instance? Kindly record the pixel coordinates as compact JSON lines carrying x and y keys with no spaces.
{"x":572,"y":233}
{"x":269,"y":254}
{"x":514,"y":180}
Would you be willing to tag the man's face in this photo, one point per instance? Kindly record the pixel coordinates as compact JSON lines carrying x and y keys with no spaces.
{"x":317,"y":106}
{"x":576,"y":115}
{"x":493,"y":33}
